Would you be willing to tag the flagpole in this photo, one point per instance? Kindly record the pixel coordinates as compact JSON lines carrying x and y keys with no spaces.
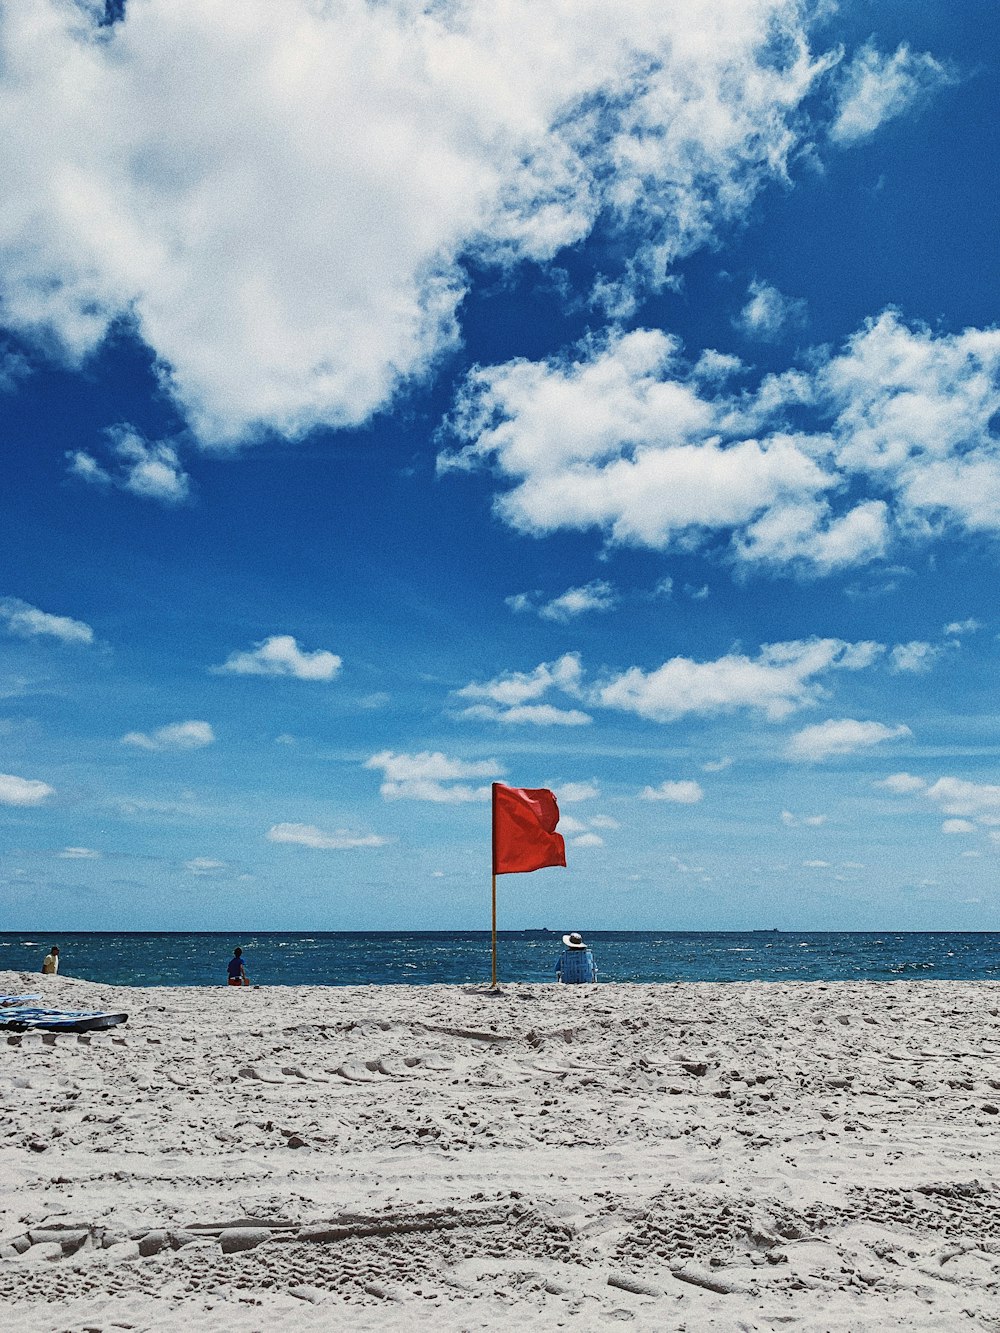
{"x":493,"y":983}
{"x":493,"y":866}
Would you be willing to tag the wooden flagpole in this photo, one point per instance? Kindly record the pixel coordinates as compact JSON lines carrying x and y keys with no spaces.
{"x":493,"y":981}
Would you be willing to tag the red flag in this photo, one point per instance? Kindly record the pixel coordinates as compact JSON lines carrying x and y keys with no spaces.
{"x":524,"y":823}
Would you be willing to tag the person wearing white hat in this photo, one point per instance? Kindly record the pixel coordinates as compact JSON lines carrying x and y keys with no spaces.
{"x":576,"y":962}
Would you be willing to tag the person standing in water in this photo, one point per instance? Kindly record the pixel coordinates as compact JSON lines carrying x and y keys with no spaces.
{"x":50,"y":963}
{"x":237,"y":972}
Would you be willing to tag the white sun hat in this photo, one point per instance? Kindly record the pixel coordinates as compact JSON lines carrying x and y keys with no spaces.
{"x":574,"y":940}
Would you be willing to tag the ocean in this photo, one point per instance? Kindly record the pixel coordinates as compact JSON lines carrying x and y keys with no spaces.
{"x":420,"y":958}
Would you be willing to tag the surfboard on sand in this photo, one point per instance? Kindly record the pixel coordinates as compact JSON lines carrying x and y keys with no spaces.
{"x":24,"y":1018}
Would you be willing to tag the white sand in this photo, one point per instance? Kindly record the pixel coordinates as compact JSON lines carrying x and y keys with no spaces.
{"x":753,"y":1156}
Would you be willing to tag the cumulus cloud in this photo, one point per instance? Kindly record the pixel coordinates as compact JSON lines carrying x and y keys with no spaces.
{"x":915,"y":657}
{"x":680,"y":793}
{"x":959,"y":627}
{"x":958,"y":796}
{"x":512,"y":697}
{"x":432,"y":776}
{"x":292,"y":268}
{"x":308,"y":835}
{"x":620,"y":439}
{"x":280,"y":655}
{"x":782,"y":678}
{"x":595,"y":596}
{"x":152,"y":471}
{"x":588,"y":840}
{"x":204,"y":865}
{"x":958,"y":826}
{"x":28,"y":622}
{"x":23,"y":791}
{"x":13,"y":368}
{"x":875,"y":87}
{"x":791,"y":820}
{"x":568,"y":793}
{"x":767,"y":312}
{"x":174,"y":736}
{"x":902,"y":784}
{"x":894,"y":438}
{"x":537,"y":715}
{"x":841,"y":736}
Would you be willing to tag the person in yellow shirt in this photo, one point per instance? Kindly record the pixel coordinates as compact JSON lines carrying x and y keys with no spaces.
{"x":50,"y":963}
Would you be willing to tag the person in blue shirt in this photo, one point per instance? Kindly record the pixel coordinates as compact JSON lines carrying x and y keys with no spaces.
{"x":237,"y":972}
{"x":576,"y":962}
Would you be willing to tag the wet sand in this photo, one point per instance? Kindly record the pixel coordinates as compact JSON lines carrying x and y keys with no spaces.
{"x":755,"y":1156}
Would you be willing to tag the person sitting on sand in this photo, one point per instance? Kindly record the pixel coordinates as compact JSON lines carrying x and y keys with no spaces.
{"x":237,"y":972}
{"x":576,"y":962}
{"x":50,"y":963}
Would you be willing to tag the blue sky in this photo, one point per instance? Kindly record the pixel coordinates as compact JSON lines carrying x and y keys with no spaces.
{"x":402,"y":397}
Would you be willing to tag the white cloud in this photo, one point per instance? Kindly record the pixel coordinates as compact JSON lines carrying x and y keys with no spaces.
{"x":204,"y":865}
{"x":297,"y":264}
{"x":717,"y":765}
{"x":307,"y":835}
{"x":517,"y":687}
{"x":914,"y":414}
{"x":432,"y":776}
{"x":594,"y":596}
{"x":175,"y":736}
{"x":680,"y":793}
{"x":280,"y":655}
{"x":619,"y":439}
{"x":782,"y":678}
{"x":511,"y":697}
{"x":28,"y":622}
{"x":13,"y":368}
{"x":957,"y":796}
{"x":958,"y":826}
{"x":569,"y":793}
{"x":79,"y":854}
{"x":841,"y":736}
{"x":588,"y":840}
{"x":791,"y":820}
{"x":539,"y":715}
{"x":816,"y":865}
{"x":958,"y":627}
{"x":902,"y":784}
{"x":915,"y":657}
{"x":23,"y":791}
{"x":876,"y":87}
{"x":767,"y":311}
{"x":152,"y":471}
{"x":894,"y":438}
{"x":603,"y":821}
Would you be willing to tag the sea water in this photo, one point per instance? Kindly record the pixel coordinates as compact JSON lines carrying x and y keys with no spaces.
{"x":419,"y":958}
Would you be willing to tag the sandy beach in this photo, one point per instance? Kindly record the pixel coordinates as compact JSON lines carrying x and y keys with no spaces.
{"x":746,"y":1156}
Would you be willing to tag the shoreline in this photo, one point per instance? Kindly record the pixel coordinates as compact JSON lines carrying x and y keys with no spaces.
{"x":671,"y":1154}
{"x":35,"y":983}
